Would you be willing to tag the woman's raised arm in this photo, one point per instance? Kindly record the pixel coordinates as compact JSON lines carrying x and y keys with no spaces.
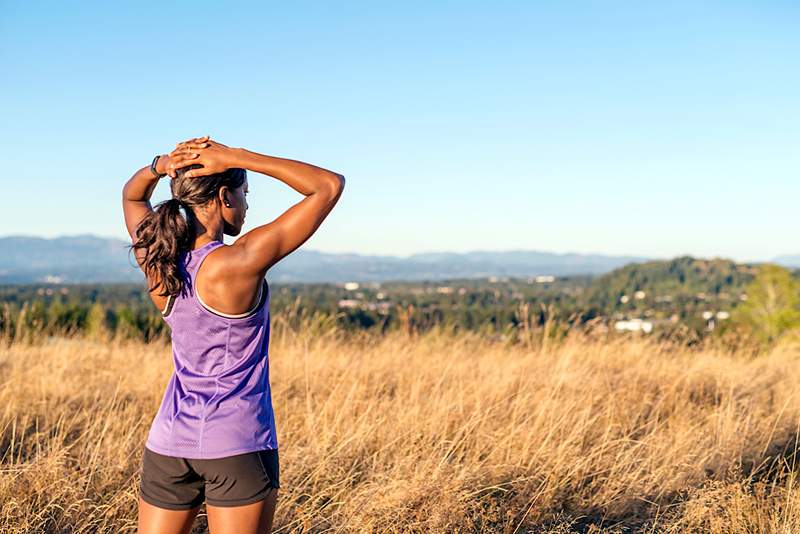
{"x":139,"y":188}
{"x":260,"y":248}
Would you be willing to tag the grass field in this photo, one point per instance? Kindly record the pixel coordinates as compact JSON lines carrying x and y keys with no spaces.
{"x":431,"y":433}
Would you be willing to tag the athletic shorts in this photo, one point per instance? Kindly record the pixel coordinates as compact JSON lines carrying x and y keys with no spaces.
{"x":183,"y":483}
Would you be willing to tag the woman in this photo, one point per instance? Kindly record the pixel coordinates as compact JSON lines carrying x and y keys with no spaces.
{"x":214,"y":437}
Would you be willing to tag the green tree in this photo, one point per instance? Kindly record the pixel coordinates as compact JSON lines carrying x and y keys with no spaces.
{"x":127,"y":325}
{"x":98,"y":323}
{"x":773,"y":303}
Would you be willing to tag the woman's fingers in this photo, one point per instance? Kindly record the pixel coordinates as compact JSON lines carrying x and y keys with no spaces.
{"x":180,"y":158}
{"x":180,"y":162}
{"x":182,"y":151}
{"x":185,"y":158}
{"x":192,"y":146}
{"x":188,"y":153}
{"x":193,"y":173}
{"x":196,"y":140}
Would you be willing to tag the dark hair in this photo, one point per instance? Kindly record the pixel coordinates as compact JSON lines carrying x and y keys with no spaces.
{"x":165,"y":234}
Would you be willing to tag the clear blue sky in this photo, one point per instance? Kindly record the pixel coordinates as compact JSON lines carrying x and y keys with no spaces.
{"x":648,"y":128}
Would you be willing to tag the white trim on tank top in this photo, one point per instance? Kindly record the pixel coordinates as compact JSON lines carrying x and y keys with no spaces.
{"x":231,"y":315}
{"x":214,"y":310}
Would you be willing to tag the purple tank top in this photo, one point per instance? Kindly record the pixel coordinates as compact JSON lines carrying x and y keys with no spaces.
{"x":218,"y":401}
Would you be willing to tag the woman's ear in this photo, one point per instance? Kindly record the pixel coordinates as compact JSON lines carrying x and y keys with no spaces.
{"x":223,"y":196}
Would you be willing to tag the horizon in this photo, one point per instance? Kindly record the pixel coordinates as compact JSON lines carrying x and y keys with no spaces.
{"x":631,"y":256}
{"x":625,"y":129}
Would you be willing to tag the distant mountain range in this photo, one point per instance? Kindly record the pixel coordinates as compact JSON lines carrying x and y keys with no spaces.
{"x":789,"y":261}
{"x":91,"y":259}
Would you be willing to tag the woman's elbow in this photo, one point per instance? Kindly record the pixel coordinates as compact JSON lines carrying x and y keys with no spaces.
{"x":337,"y":183}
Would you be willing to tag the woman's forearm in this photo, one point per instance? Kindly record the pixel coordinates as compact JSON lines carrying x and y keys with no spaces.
{"x":141,"y":185}
{"x":302,"y":177}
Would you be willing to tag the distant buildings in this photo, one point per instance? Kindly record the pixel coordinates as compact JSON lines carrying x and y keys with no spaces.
{"x":711,"y":318}
{"x":349,"y":303}
{"x":638,"y":295}
{"x":355,"y":304}
{"x":634,"y":325}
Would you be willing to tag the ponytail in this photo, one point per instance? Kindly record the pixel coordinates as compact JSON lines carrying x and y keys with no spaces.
{"x":164,"y":234}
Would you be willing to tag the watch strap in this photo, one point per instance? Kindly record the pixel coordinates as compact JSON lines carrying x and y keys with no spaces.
{"x":153,"y":167}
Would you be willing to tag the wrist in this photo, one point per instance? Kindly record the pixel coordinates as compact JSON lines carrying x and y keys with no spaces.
{"x":252,"y":161}
{"x":162,"y":163}
{"x":238,"y":158}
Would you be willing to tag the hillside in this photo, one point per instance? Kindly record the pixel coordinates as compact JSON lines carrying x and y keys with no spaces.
{"x":680,"y":276}
{"x":685,"y":291}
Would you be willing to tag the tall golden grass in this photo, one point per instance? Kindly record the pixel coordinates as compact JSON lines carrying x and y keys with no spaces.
{"x":430,"y":433}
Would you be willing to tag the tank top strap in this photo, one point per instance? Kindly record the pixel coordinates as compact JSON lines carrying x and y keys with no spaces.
{"x":195,"y":257}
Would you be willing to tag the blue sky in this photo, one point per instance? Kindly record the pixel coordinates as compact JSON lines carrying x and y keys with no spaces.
{"x":647,"y":128}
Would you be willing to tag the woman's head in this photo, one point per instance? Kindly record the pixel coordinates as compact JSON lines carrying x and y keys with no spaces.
{"x":209,"y":202}
{"x":214,"y":198}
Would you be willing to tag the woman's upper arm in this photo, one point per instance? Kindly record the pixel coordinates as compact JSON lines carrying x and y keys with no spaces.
{"x":263,"y":246}
{"x":135,"y":211}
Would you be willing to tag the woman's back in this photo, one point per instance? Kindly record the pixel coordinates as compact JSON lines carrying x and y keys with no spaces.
{"x":218,"y":401}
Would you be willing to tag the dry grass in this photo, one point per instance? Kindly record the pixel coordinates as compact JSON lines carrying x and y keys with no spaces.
{"x":430,"y":434}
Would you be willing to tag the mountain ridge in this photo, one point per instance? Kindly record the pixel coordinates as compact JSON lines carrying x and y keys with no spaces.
{"x":789,"y":260}
{"x":88,"y":258}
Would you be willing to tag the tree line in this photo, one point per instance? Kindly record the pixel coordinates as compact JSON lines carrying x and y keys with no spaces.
{"x":760,"y":301}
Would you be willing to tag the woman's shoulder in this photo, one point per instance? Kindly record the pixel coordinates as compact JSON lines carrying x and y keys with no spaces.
{"x":221,"y":286}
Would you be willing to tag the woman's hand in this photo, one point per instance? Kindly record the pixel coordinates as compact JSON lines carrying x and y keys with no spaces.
{"x":213,"y":156}
{"x":165,"y":164}
{"x":170,"y":163}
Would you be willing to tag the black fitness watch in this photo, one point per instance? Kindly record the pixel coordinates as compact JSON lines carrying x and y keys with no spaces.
{"x":153,"y":168}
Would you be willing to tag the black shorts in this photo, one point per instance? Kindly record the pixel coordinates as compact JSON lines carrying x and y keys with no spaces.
{"x":183,"y":483}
